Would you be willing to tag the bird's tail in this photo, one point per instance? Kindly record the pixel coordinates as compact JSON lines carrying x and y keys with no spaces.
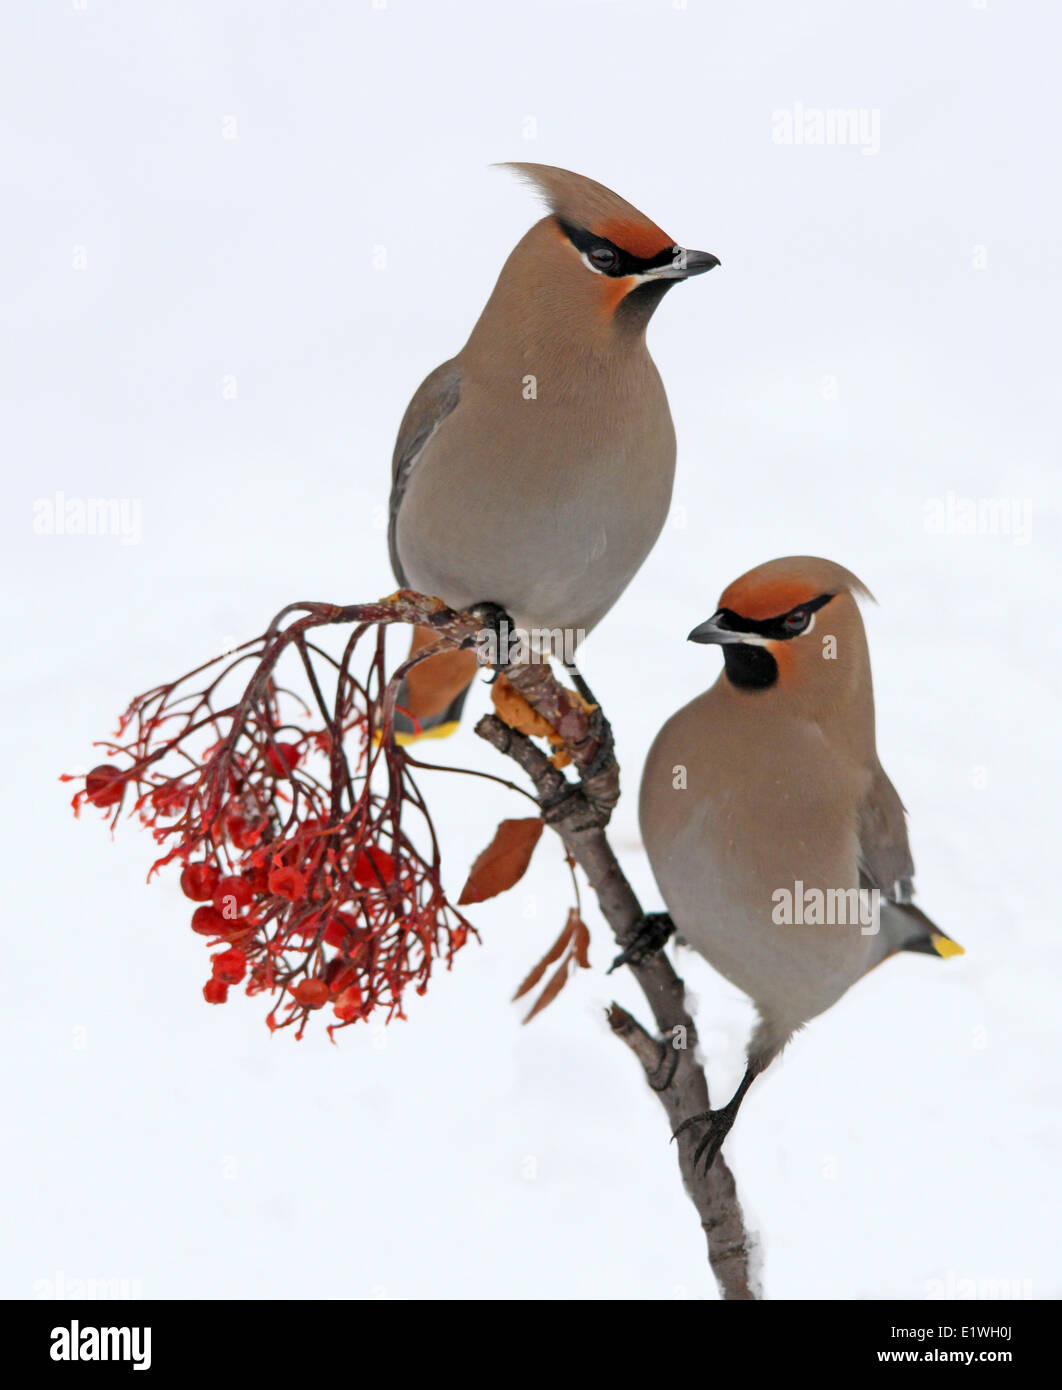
{"x":432,"y":695}
{"x":912,"y":930}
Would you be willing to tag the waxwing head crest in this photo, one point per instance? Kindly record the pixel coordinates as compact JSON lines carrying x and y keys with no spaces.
{"x":591,"y":207}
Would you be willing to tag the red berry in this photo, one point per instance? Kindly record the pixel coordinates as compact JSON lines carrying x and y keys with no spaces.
{"x":104,"y":785}
{"x":230,"y":966}
{"x":242,"y":833}
{"x":208,"y":921}
{"x":283,"y":758}
{"x":341,"y":979}
{"x":311,"y":993}
{"x":257,"y":875}
{"x":198,"y":881}
{"x":287,"y":883}
{"x":349,"y":1004}
{"x":231,"y":894}
{"x":340,"y":926}
{"x":372,"y":865}
{"x":215,"y":991}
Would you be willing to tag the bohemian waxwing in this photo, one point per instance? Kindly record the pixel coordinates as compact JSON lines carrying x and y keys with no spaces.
{"x":776,"y":839}
{"x":533,"y":471}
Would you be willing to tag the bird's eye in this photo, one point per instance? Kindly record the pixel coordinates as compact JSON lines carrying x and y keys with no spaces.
{"x":603,"y":258}
{"x":796,"y":621}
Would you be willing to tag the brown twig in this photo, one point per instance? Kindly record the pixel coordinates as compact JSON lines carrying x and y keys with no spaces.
{"x":670,"y":1059}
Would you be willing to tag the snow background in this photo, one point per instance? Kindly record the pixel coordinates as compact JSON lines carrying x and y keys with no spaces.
{"x":849,"y":362}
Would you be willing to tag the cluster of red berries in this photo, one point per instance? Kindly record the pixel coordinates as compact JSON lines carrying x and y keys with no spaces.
{"x":235,"y":905}
{"x":312,"y":906}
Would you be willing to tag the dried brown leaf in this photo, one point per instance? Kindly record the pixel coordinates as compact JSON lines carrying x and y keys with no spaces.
{"x":581,"y":940}
{"x":512,"y":709}
{"x":503,"y":862}
{"x":554,"y":953}
{"x":557,"y":982}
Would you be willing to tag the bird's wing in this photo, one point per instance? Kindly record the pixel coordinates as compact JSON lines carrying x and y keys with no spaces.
{"x":885,"y":863}
{"x":435,"y":398}
{"x":884,"y":851}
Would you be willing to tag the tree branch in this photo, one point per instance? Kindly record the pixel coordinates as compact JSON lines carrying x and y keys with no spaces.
{"x":670,"y":1060}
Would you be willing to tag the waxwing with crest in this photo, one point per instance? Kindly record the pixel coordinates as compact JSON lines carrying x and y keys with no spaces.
{"x":533,"y":471}
{"x":776,"y":839}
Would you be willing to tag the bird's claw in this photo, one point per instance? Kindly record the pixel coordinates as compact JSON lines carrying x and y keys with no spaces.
{"x":653,"y":932}
{"x":601,"y":731}
{"x":496,"y":620}
{"x":719,"y":1124}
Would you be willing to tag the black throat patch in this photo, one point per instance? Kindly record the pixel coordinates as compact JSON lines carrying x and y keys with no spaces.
{"x":750,"y":668}
{"x":636,"y":307}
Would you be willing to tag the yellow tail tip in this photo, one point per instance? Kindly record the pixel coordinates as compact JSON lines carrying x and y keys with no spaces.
{"x":944,"y":946}
{"x":436,"y":731}
{"x":405,"y":737}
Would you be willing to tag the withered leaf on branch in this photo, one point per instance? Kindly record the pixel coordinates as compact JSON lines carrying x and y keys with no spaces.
{"x":554,"y":953}
{"x":513,"y":709}
{"x":557,"y":981}
{"x":581,"y":942}
{"x":575,"y":939}
{"x":504,"y":861}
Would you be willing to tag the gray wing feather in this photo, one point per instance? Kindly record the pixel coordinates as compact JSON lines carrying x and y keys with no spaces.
{"x":885,"y":863}
{"x":435,"y":398}
{"x":884,"y":850}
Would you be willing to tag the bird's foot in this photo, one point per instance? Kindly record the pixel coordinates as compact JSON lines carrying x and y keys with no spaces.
{"x":719,"y":1124}
{"x":652,"y":933}
{"x":494,"y":644}
{"x":580,"y":684}
{"x":600,"y":729}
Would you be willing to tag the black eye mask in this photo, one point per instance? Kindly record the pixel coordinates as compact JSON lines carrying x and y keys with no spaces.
{"x":778,"y":629}
{"x":625,"y":263}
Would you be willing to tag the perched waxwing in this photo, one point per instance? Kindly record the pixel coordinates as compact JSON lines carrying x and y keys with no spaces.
{"x":533,"y":471}
{"x":776,"y":839}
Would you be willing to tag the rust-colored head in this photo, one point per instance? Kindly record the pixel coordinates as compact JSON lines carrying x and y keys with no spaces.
{"x":794,"y":624}
{"x":627,"y":260}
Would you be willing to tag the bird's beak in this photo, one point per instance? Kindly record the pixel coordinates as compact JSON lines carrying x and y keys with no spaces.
{"x":713,"y":631}
{"x":684,"y":264}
